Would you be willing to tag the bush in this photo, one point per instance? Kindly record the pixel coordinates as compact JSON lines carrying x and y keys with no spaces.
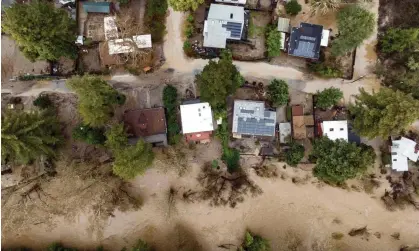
{"x":328,"y":97}
{"x":254,"y":242}
{"x":42,"y":101}
{"x":278,"y":92}
{"x":189,"y":30}
{"x":90,"y":135}
{"x":231,"y":157}
{"x":289,"y":113}
{"x":171,"y":103}
{"x":273,"y":42}
{"x":155,"y":19}
{"x":187,"y":48}
{"x":293,"y":7}
{"x":295,"y":154}
{"x":190,"y":19}
{"x":324,"y":70}
{"x":398,"y":40}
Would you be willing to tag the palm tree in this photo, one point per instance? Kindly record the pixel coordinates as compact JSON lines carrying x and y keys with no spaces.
{"x":25,"y":136}
{"x":324,"y":6}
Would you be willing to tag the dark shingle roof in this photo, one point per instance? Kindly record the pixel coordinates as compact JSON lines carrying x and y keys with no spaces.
{"x":305,"y":41}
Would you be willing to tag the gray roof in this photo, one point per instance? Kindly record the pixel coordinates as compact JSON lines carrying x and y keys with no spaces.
{"x":305,"y":41}
{"x":283,"y":24}
{"x":223,"y":22}
{"x":251,"y":118}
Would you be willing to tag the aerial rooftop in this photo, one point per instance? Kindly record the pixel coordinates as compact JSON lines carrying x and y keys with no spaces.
{"x":336,"y":129}
{"x":196,"y":118}
{"x":305,"y":41}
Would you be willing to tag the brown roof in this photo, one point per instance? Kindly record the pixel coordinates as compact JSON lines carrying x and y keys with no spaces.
{"x":298,"y":127}
{"x":297,"y":110}
{"x":145,"y":122}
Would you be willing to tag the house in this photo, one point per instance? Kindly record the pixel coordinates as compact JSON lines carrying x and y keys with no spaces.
{"x":302,"y":125}
{"x":251,"y":118}
{"x":197,"y":122}
{"x":402,"y":150}
{"x":305,"y":41}
{"x":284,"y":132}
{"x":239,"y":2}
{"x":223,"y":22}
{"x":148,"y":124}
{"x":283,"y":25}
{"x":97,"y":7}
{"x":336,"y":129}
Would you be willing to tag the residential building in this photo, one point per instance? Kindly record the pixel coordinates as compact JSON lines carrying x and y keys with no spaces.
{"x":223,"y":22}
{"x":197,"y":122}
{"x":302,"y":125}
{"x":284,"y":132}
{"x":148,"y":124}
{"x":305,"y":41}
{"x":97,"y":7}
{"x":336,"y":129}
{"x":283,"y":25}
{"x":251,"y":118}
{"x":240,"y":2}
{"x":402,"y":150}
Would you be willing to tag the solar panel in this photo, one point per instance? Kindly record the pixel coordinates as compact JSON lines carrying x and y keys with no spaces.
{"x":305,"y":49}
{"x":234,"y":28}
{"x":254,"y":127}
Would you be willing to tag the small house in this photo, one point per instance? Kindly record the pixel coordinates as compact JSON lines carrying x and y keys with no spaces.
{"x":284,"y":132}
{"x":224,"y":22}
{"x":305,"y":41}
{"x":97,"y":7}
{"x":402,"y":150}
{"x":336,"y":129}
{"x":302,"y":125}
{"x":148,"y":124}
{"x":252,"y":119}
{"x":197,"y":122}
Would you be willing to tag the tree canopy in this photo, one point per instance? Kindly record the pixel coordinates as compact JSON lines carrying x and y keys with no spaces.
{"x":42,"y":31}
{"x":273,"y":42}
{"x":293,"y":7}
{"x":278,"y":92}
{"x":171,"y":103}
{"x":398,"y":40}
{"x":185,"y":5}
{"x":218,"y":80}
{"x":328,"y":97}
{"x":116,"y":137}
{"x":384,"y":113}
{"x":337,"y":161}
{"x":355,"y":24}
{"x":88,"y":134}
{"x":254,"y":243}
{"x":295,"y":154}
{"x":25,"y":136}
{"x":96,"y":99}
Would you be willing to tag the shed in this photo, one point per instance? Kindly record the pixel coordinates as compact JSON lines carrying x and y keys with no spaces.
{"x":284,"y":132}
{"x":97,"y":7}
{"x":325,"y":38}
{"x":284,"y":25}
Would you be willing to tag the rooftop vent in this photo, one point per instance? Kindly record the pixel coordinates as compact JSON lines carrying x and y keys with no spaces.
{"x":231,"y":15}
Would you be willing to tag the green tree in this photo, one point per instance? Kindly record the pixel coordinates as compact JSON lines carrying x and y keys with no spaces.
{"x":97,"y":99}
{"x":384,"y":113}
{"x":278,"y":92}
{"x":337,"y":161}
{"x":255,"y":243}
{"x":88,"y":134}
{"x":328,"y":97}
{"x":218,"y":80}
{"x":295,"y":154}
{"x":185,"y":5}
{"x":355,"y":24}
{"x":25,"y":136}
{"x":324,"y":6}
{"x":398,"y":40}
{"x":293,"y":7}
{"x":133,"y":160}
{"x":170,"y":101}
{"x":116,"y":137}
{"x":273,"y":42}
{"x":155,"y":19}
{"x":42,"y":31}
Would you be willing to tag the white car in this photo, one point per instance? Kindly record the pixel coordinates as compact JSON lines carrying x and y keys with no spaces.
{"x":63,"y":2}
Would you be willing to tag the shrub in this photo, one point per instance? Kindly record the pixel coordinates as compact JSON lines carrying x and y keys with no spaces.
{"x":190,"y":19}
{"x":171,"y":103}
{"x":185,"y":5}
{"x":231,"y":157}
{"x":90,"y":135}
{"x":324,"y":70}
{"x":328,"y":97}
{"x":187,"y":48}
{"x":398,"y":40}
{"x":295,"y":154}
{"x":189,"y":30}
{"x":155,"y":19}
{"x":337,"y":235}
{"x":254,"y":242}
{"x":42,"y":101}
{"x":278,"y":92}
{"x":293,"y":7}
{"x":273,"y":42}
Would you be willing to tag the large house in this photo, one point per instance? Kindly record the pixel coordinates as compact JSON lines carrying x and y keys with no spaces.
{"x":305,"y":41}
{"x":197,"y":122}
{"x":402,"y":150}
{"x":251,"y":118}
{"x":224,"y":22}
{"x":148,"y":124}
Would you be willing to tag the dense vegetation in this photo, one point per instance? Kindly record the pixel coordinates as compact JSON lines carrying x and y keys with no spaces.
{"x":185,"y":5}
{"x":42,"y":102}
{"x":97,"y":99}
{"x":328,"y":97}
{"x":293,"y":7}
{"x":254,"y":242}
{"x":384,"y":113}
{"x":295,"y":154}
{"x":26,"y":136}
{"x":337,"y":161}
{"x":278,"y":92}
{"x":355,"y":24}
{"x":171,"y":103}
{"x":399,"y":40}
{"x":218,"y":80}
{"x":273,"y":41}
{"x":42,"y":31}
{"x":155,"y":18}
{"x":88,"y":134}
{"x":325,"y":70}
{"x":230,"y":156}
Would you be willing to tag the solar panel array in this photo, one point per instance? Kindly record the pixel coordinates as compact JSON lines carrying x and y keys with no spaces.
{"x":234,"y":28}
{"x":305,"y":49}
{"x":251,"y":126}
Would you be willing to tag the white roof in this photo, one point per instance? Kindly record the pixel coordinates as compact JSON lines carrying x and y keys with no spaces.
{"x":127,"y":45}
{"x":79,"y":40}
{"x":282,"y":40}
{"x":398,"y":161}
{"x":109,"y":25}
{"x":196,"y":118}
{"x":232,"y":1}
{"x":325,"y":38}
{"x":401,"y":150}
{"x":284,"y":131}
{"x":336,"y":129}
